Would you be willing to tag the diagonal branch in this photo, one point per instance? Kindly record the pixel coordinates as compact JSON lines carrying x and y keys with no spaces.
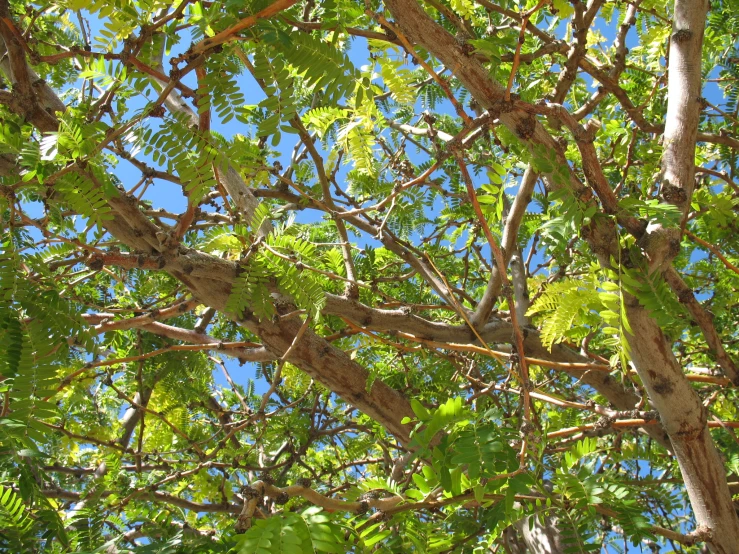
{"x":232,"y":33}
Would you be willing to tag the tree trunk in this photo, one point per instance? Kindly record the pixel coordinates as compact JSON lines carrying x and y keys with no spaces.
{"x":684,"y":418}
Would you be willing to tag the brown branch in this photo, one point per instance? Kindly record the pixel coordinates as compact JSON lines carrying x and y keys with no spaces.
{"x":521,"y":38}
{"x":231,"y":33}
{"x":105,"y":322}
{"x":704,"y":320}
{"x":713,"y":250}
{"x":441,"y":82}
{"x":501,"y":265}
{"x":196,"y":507}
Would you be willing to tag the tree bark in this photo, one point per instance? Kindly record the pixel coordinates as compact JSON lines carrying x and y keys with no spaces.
{"x":677,"y":179}
{"x":684,"y":418}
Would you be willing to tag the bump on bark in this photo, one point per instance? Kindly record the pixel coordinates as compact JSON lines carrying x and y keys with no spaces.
{"x":526,"y":428}
{"x":671,"y":193}
{"x":500,"y":107}
{"x":267,"y":478}
{"x":96,"y":263}
{"x":603,"y":423}
{"x":682,"y":35}
{"x":249,"y":493}
{"x":526,"y":127}
{"x":652,"y":415}
{"x":156,"y":111}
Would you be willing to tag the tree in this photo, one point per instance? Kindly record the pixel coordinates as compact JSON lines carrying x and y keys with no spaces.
{"x":480,"y":259}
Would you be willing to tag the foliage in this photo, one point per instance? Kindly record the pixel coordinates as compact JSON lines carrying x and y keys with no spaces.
{"x":250,"y":299}
{"x":307,"y":532}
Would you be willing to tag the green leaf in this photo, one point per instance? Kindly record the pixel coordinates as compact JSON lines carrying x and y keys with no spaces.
{"x":289,"y":533}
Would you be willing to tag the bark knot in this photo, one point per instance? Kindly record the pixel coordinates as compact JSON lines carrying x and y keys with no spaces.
{"x":526,"y":127}
{"x":662,"y":385}
{"x":603,"y":423}
{"x":682,"y":35}
{"x":672,"y":193}
{"x":96,"y":263}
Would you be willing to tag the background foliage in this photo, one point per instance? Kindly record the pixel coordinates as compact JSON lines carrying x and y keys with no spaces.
{"x":203,"y":209}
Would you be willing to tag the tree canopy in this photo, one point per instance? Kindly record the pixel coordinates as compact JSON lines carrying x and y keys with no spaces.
{"x":400,"y":276}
